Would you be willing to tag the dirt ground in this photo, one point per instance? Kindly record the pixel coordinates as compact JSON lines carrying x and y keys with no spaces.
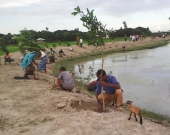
{"x":31,"y":107}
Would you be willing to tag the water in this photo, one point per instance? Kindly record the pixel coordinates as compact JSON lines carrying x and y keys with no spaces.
{"x":144,"y":76}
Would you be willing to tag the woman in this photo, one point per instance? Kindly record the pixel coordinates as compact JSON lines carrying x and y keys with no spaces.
{"x":43,"y":62}
{"x":27,"y":64}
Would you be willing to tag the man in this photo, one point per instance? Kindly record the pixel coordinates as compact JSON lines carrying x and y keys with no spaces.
{"x":61,"y":53}
{"x":65,"y":80}
{"x":52,"y":55}
{"x":28,"y":63}
{"x":77,"y":40}
{"x":81,"y":42}
{"x":112,"y":88}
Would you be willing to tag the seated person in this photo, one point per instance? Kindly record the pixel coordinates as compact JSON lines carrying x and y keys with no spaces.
{"x":92,"y":86}
{"x":65,"y":80}
{"x":70,"y":48}
{"x":61,"y":53}
{"x":7,"y":57}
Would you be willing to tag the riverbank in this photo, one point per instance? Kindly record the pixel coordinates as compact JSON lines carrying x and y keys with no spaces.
{"x":69,"y":62}
{"x":32,"y":107}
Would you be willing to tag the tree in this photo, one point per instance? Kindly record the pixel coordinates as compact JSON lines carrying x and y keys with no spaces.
{"x":96,"y":29}
{"x":3,"y":45}
{"x":26,"y":42}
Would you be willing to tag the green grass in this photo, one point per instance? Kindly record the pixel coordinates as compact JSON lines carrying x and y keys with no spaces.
{"x":14,"y":48}
{"x":11,"y":48}
{"x":151,"y":115}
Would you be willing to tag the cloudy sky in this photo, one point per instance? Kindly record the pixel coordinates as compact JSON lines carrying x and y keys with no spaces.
{"x":16,"y":15}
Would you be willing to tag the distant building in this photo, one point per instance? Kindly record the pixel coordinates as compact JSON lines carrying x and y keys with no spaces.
{"x":40,"y":40}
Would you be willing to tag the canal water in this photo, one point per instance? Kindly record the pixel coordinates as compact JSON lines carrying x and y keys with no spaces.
{"x":143,"y":75}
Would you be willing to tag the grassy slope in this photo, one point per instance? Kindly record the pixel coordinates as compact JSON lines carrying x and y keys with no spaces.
{"x":14,"y":48}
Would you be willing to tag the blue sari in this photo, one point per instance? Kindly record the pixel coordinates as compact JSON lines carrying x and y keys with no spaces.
{"x":42,"y":64}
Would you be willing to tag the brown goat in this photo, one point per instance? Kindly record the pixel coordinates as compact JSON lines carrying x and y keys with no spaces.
{"x":135,"y":110}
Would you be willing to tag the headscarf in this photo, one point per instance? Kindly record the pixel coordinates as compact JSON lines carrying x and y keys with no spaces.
{"x":42,"y":54}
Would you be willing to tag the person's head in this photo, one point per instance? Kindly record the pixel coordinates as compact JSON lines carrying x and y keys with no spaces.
{"x":38,"y":54}
{"x":62,"y":69}
{"x":51,"y":49}
{"x":101,"y":74}
{"x":7,"y":52}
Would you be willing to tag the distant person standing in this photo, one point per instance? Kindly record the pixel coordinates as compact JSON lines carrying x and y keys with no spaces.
{"x":77,"y":40}
{"x":81,"y":42}
{"x":125,"y":37}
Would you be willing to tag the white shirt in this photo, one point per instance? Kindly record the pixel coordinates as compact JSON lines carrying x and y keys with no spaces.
{"x":70,"y":48}
{"x":81,"y":40}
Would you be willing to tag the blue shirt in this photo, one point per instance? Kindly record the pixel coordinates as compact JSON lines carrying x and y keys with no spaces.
{"x":110,"y":90}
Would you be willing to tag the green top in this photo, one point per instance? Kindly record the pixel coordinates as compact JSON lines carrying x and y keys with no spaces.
{"x":52,"y":52}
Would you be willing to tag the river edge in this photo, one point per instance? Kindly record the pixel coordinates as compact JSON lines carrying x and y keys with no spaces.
{"x":157,"y":118}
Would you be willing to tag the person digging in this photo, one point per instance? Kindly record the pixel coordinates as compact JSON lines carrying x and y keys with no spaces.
{"x":112,"y":88}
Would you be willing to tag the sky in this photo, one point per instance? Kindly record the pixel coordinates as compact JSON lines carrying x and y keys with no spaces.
{"x":15,"y":15}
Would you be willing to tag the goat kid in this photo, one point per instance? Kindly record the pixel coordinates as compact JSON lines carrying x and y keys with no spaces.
{"x":135,"y":110}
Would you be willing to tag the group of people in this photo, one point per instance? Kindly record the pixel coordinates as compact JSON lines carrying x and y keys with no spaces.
{"x":64,"y":80}
{"x":113,"y":92}
{"x":28,"y":63}
{"x":79,"y":41}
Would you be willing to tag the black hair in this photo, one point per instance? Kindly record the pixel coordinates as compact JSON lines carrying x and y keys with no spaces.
{"x":7,"y":52}
{"x":63,"y":69}
{"x":100,"y":71}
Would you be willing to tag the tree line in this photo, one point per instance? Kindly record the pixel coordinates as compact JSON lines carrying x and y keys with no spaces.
{"x":65,"y":35}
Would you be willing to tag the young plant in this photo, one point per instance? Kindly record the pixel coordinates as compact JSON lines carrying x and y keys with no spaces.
{"x":95,"y":33}
{"x":96,"y":30}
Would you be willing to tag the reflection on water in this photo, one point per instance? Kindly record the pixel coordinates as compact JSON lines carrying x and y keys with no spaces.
{"x":81,"y":69}
{"x":144,"y":76}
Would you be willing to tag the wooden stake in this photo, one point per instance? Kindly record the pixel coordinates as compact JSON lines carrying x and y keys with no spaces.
{"x":101,"y":77}
{"x":37,"y":68}
{"x":53,"y":73}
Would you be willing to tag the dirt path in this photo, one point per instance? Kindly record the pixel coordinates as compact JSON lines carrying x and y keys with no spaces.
{"x":30,"y":107}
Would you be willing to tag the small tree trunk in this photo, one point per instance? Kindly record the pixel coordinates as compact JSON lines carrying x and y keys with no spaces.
{"x":101,"y":76}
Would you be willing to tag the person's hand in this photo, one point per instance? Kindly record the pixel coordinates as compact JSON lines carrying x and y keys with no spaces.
{"x":102,"y":83}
